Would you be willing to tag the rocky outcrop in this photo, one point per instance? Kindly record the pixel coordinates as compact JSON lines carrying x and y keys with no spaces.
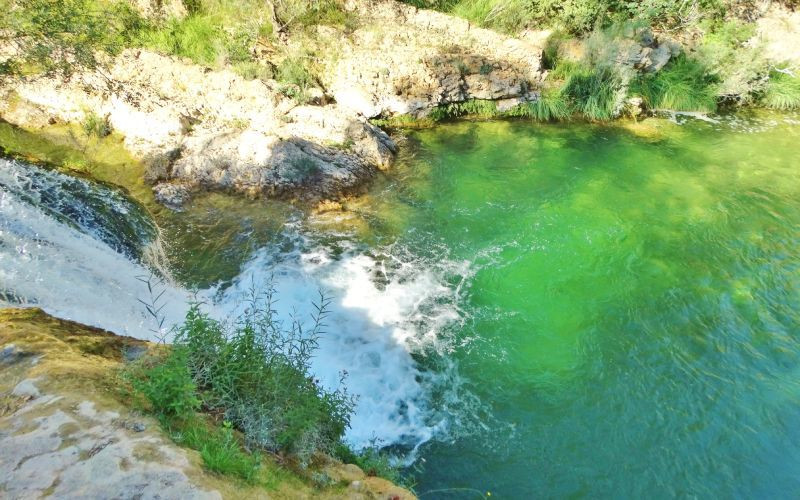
{"x":210,"y":129}
{"x":404,"y":60}
{"x":632,"y":52}
{"x":65,"y":432}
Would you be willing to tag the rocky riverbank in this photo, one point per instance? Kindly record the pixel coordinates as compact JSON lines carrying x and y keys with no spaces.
{"x":199,"y":128}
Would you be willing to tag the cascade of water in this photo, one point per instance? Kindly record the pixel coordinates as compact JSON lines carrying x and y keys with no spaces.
{"x":70,"y":247}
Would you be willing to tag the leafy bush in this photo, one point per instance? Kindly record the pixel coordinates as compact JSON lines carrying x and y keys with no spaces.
{"x":60,"y":36}
{"x":682,"y":85}
{"x":256,"y":372}
{"x":782,"y":92}
{"x":167,"y":385}
{"x":739,"y":67}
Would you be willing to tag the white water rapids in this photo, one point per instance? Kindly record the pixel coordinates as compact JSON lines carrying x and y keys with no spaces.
{"x":69,"y":263}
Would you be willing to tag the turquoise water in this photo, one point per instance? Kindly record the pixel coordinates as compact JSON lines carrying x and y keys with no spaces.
{"x":631,"y":326}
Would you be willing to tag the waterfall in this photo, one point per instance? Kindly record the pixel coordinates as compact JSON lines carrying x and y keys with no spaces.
{"x":76,"y":249}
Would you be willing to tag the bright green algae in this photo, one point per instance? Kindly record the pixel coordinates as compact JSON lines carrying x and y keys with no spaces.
{"x":632,"y":325}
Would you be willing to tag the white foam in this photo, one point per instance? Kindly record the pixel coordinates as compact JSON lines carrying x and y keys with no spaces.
{"x":374,"y":325}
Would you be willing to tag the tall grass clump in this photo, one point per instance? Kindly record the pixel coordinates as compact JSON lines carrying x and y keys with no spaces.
{"x":195,"y":37}
{"x":302,"y":13}
{"x":782,"y":92}
{"x":682,"y":85}
{"x":503,"y":16}
{"x":295,"y":78}
{"x":550,"y":106}
{"x":593,"y":92}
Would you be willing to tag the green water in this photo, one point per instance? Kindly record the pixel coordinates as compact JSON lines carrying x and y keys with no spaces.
{"x":630,"y":314}
{"x":632,"y":327}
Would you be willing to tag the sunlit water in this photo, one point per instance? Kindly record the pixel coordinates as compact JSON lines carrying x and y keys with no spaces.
{"x":527,"y":310}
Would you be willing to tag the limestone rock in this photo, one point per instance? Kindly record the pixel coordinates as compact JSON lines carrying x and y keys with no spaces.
{"x":172,"y":195}
{"x":406,"y":61}
{"x":210,"y":129}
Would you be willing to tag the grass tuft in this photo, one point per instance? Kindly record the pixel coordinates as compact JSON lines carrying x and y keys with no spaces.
{"x":473,"y":107}
{"x":196,"y":37}
{"x":95,"y":125}
{"x":551,"y":106}
{"x":594,"y":93}
{"x":682,"y":85}
{"x":783,"y":91}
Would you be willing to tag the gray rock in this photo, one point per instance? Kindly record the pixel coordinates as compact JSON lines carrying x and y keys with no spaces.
{"x":172,"y":195}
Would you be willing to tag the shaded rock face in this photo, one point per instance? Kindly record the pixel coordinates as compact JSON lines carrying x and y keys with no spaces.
{"x":200,"y":129}
{"x":407,"y":61}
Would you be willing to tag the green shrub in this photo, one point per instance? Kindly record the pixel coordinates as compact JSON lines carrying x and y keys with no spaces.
{"x":256,"y":372}
{"x":167,"y":385}
{"x":782,"y":92}
{"x":94,"y":125}
{"x":594,"y":93}
{"x":739,"y":67}
{"x":60,"y":36}
{"x":682,"y":85}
